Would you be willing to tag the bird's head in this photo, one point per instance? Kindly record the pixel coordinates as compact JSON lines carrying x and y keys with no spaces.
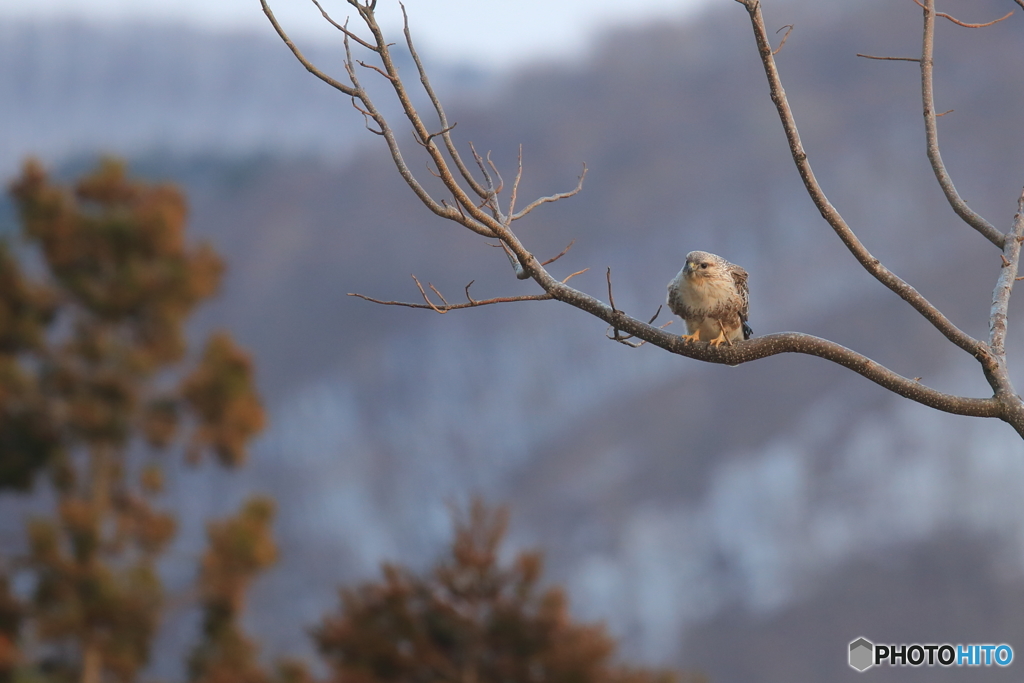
{"x":701,"y":264}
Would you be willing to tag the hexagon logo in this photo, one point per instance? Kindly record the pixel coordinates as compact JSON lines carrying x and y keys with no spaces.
{"x":862,"y":654}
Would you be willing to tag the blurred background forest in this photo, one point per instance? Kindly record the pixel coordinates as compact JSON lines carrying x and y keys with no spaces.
{"x":746,"y":523}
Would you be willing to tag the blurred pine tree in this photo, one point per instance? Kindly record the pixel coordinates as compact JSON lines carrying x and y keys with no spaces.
{"x":471,"y":619}
{"x":91,"y":347}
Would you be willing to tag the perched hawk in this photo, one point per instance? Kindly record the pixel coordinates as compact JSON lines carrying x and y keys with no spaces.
{"x":710,"y":294}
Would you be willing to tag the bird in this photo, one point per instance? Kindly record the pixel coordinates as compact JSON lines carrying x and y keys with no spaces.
{"x":710,"y":295}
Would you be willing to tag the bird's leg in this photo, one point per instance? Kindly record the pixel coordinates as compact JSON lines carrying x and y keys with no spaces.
{"x":717,"y":341}
{"x":691,"y":337}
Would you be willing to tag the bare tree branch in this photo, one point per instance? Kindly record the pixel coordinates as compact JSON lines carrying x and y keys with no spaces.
{"x":893,"y":59}
{"x":342,"y":28}
{"x":302,"y":59}
{"x":445,"y":306}
{"x":449,"y":145}
{"x":829,"y":212}
{"x":964,"y":24}
{"x":932,"y":136}
{"x":487,"y":218}
{"x":789,"y":29}
{"x":553,"y":198}
{"x":1004,"y":285}
{"x":560,"y":254}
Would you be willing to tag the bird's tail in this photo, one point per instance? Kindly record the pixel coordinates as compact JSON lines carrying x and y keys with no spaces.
{"x":747,"y":332}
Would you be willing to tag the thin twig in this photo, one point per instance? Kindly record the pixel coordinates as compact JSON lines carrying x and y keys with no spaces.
{"x":439,"y":295}
{"x":578,"y":272}
{"x":443,"y":131}
{"x":611,"y":297}
{"x":966,"y":25}
{"x":625,"y":340}
{"x":425,"y":297}
{"x":348,"y":90}
{"x":344,"y":28}
{"x":375,"y":68}
{"x":454,"y":307}
{"x":560,"y":254}
{"x":449,"y":144}
{"x":789,"y":28}
{"x":515,"y":184}
{"x":553,"y":198}
{"x":487,"y":176}
{"x":892,"y":59}
{"x":497,"y":173}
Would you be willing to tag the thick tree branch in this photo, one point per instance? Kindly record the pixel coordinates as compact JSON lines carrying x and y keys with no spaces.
{"x":965,"y":212}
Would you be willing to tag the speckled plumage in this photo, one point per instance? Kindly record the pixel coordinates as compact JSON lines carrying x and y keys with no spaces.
{"x":710,"y":294}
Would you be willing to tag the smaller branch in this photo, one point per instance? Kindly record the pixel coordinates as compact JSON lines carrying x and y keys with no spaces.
{"x":616,"y":334}
{"x":443,"y":131}
{"x":636,"y":345}
{"x":956,"y":202}
{"x":1004,"y":287}
{"x":472,"y":303}
{"x":515,"y":184}
{"x":367,"y":117}
{"x":439,"y":295}
{"x":521,"y":273}
{"x":611,"y":297}
{"x":948,"y":111}
{"x":497,"y":173}
{"x":442,"y":117}
{"x":893,"y":59}
{"x":483,"y":169}
{"x":560,"y":255}
{"x":348,"y":90}
{"x":375,"y":68}
{"x":966,"y":25}
{"x":344,"y":28}
{"x":578,"y":272}
{"x":553,"y":198}
{"x":784,"y":38}
{"x":426,"y":298}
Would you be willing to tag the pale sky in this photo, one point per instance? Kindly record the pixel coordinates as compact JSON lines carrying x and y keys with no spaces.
{"x":487,"y":32}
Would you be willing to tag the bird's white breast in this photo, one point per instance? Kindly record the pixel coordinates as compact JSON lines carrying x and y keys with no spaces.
{"x":705,"y":295}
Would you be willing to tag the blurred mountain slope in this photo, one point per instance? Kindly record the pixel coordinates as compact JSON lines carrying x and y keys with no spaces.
{"x":70,"y":88}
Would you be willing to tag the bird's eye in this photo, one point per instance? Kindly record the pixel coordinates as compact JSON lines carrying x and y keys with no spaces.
{"x":704,"y":265}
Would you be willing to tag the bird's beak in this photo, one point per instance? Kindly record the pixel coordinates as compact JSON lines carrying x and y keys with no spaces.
{"x":688,"y":268}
